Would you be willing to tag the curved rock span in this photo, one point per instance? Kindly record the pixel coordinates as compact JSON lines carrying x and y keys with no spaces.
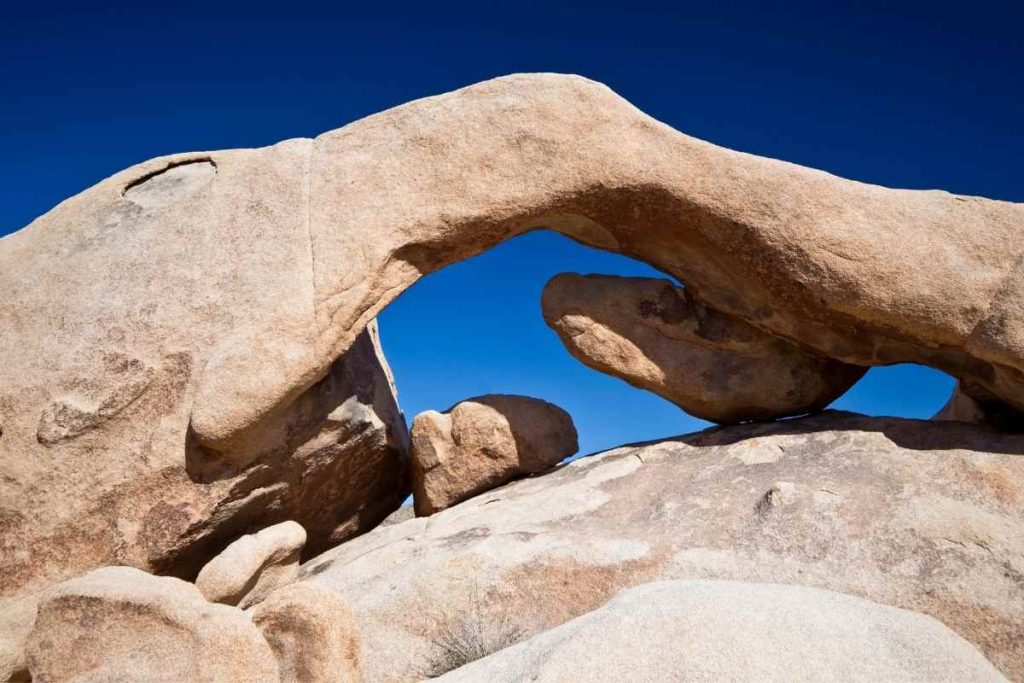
{"x":177,"y":340}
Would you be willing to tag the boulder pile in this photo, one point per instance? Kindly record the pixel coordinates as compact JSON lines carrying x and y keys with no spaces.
{"x":200,"y":435}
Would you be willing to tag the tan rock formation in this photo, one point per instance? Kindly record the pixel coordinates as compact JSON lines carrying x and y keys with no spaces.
{"x":249,"y":569}
{"x":483,"y":442}
{"x":196,"y":306}
{"x":119,"y":623}
{"x":919,"y":515}
{"x":732,"y":631}
{"x":311,"y":631}
{"x":17,"y":617}
{"x":136,"y":489}
{"x":659,"y":337}
{"x":960,"y":408}
{"x":969,"y":403}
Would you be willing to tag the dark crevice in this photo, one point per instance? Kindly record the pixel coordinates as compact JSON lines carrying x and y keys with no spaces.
{"x":165,"y":169}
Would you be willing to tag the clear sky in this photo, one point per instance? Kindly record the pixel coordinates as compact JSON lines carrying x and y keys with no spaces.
{"x":905,"y":94}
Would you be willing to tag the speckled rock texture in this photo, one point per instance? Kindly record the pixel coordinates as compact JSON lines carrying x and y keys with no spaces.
{"x":657,"y":336}
{"x":483,"y":442}
{"x":312,"y":633}
{"x":122,"y":624}
{"x":137,"y":489}
{"x":701,"y":631}
{"x":919,"y":515}
{"x":182,"y":326}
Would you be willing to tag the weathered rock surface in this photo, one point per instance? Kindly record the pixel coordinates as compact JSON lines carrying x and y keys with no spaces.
{"x":657,"y":336}
{"x":249,"y":569}
{"x":135,"y":489}
{"x":733,"y":631}
{"x":119,"y":624}
{"x":483,"y":442}
{"x":311,"y":631}
{"x":17,"y":617}
{"x":186,"y":345}
{"x":919,"y":515}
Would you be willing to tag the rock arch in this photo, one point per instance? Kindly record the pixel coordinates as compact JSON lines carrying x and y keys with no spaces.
{"x":859,"y":273}
{"x":243,"y":284}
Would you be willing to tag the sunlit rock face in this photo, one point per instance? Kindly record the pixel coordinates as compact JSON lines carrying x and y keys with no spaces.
{"x":185,"y":355}
{"x":735,"y":631}
{"x":913,"y":514}
{"x":483,"y":442}
{"x":121,"y":624}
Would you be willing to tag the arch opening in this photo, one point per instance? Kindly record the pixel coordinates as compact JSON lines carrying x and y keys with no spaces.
{"x":475,"y":327}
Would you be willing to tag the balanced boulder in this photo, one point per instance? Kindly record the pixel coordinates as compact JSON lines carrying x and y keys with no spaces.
{"x":121,"y":624}
{"x":924,"y":516}
{"x":312,"y":633}
{"x":483,"y":442}
{"x":250,"y":568}
{"x":692,"y":631}
{"x":657,"y":336}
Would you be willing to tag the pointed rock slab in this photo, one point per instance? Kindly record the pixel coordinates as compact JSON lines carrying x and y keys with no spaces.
{"x":658,"y":337}
{"x":484,"y":442}
{"x":249,"y":569}
{"x":312,"y":633}
{"x":733,"y":631}
{"x":197,"y":304}
{"x":924,"y":516}
{"x":122,"y":624}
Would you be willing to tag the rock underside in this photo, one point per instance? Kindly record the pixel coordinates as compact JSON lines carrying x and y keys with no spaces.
{"x":659,"y":337}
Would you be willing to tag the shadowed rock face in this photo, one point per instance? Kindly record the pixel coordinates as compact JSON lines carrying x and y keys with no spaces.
{"x":161,"y":328}
{"x":919,"y":515}
{"x":657,"y":336}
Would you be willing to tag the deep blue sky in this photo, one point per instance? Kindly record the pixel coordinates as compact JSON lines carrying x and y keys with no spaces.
{"x":903,"y":94}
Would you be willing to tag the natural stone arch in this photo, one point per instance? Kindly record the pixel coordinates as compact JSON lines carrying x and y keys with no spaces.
{"x":177,"y":320}
{"x":859,"y":273}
